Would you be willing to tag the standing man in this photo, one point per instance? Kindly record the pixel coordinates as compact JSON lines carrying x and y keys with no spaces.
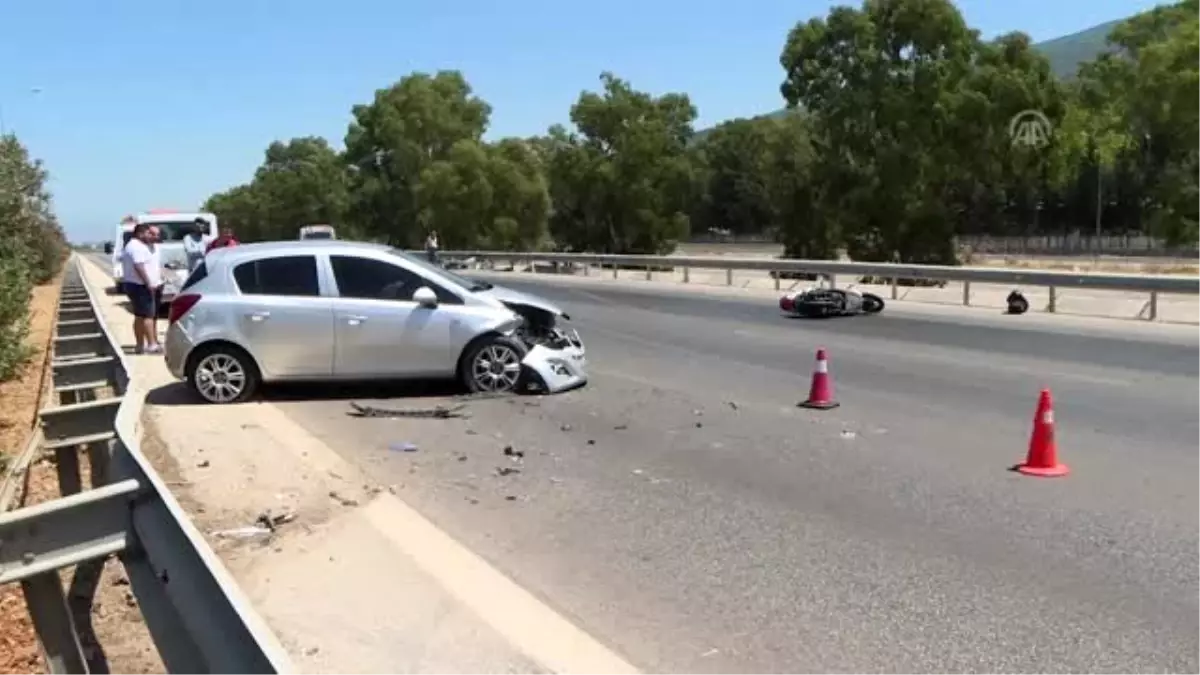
{"x":194,"y":244}
{"x":226,"y":239}
{"x":142,"y":277}
{"x":431,"y":246}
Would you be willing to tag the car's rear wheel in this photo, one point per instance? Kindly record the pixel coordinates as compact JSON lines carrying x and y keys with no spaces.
{"x":223,"y":374}
{"x":493,"y":365}
{"x":871,"y":303}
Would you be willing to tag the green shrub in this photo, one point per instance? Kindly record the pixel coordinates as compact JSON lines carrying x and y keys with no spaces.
{"x":32,"y":248}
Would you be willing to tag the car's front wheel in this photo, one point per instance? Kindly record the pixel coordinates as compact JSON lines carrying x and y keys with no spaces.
{"x":493,"y":365}
{"x":223,"y":374}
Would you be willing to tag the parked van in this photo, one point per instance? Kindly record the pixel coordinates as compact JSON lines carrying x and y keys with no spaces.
{"x":172,"y":226}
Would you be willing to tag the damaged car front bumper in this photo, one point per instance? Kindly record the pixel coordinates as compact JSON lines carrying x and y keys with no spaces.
{"x":559,"y":365}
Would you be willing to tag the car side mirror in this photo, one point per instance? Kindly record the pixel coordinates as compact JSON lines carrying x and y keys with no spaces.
{"x":425,"y":297}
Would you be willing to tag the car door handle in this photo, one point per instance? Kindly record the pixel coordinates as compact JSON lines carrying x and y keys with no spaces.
{"x":355,"y":319}
{"x":258,"y":316}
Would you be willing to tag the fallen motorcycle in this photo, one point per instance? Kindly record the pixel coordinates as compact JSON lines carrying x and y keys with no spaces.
{"x":815,"y":303}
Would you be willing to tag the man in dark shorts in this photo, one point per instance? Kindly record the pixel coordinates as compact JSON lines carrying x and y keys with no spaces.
{"x":142,"y":276}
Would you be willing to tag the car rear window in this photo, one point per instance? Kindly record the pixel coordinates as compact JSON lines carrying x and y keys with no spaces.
{"x":294,"y":275}
{"x":196,"y":276}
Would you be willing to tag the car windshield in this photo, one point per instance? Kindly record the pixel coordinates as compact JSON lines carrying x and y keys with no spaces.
{"x":174,"y":230}
{"x":472,"y":285}
{"x":318,"y":235}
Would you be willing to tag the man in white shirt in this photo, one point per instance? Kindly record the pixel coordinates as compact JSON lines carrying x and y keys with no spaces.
{"x":195,"y":243}
{"x":142,"y":274}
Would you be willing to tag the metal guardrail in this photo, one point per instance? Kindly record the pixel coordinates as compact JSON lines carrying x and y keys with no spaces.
{"x":1051,"y":279}
{"x":196,"y":615}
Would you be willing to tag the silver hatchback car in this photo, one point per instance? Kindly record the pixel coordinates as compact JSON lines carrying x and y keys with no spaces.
{"x":351,"y":311}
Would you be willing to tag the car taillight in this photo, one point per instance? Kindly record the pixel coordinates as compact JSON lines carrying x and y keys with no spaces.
{"x":786,"y":303}
{"x":181,"y":305}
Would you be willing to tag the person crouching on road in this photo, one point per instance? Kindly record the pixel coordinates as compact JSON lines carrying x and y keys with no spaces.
{"x":142,"y":277}
{"x":194,"y":244}
{"x":226,"y":239}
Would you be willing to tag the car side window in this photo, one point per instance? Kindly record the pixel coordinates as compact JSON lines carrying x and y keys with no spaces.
{"x":370,"y":279}
{"x":294,"y":275}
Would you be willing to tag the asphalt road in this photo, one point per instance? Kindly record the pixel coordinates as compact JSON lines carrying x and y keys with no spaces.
{"x":682,"y":509}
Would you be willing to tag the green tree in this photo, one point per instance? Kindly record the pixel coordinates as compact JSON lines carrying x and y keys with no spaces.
{"x":301,"y":182}
{"x":407,"y":128}
{"x":734,"y":158}
{"x":622,"y":183}
{"x":909,"y":118}
{"x":239,"y":208}
{"x":32,"y":246}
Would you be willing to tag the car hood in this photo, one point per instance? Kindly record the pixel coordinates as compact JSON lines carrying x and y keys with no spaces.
{"x":515,"y":299}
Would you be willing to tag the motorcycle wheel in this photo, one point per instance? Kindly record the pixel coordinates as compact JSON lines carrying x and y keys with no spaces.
{"x":871,"y":303}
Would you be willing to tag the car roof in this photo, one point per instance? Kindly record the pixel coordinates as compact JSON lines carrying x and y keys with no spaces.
{"x":233,"y":254}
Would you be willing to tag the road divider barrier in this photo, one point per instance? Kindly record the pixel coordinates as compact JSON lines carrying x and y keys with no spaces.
{"x":894,"y":274}
{"x":196,"y":615}
{"x":1042,"y":458}
{"x":820,"y":392}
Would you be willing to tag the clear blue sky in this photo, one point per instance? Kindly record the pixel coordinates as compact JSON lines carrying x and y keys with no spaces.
{"x":160,"y":103}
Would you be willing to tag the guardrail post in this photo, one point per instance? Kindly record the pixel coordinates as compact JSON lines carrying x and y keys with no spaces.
{"x":1152,"y":314}
{"x":52,"y":620}
{"x":1053,"y":303}
{"x":686,"y":275}
{"x":729,"y":277}
{"x":614,"y":270}
{"x":66,"y":464}
{"x":777,"y":275}
{"x":649,"y":273}
{"x":895,"y":288}
{"x":587,"y":270}
{"x":966,"y":294}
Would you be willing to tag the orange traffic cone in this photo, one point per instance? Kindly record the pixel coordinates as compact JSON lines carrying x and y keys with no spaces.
{"x":820,"y":394}
{"x":1042,"y":459}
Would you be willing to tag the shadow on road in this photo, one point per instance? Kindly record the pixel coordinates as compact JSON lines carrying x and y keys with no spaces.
{"x":179,"y":393}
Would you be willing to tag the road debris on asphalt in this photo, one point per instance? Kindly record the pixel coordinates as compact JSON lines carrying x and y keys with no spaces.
{"x":506,"y":471}
{"x":344,"y":501}
{"x":271,"y":520}
{"x":513,"y":454}
{"x":440,"y":412}
{"x":402,"y":446}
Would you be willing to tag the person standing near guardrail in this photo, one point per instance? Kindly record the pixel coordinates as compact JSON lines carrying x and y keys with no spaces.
{"x":431,"y":246}
{"x":194,"y":244}
{"x":142,"y":277}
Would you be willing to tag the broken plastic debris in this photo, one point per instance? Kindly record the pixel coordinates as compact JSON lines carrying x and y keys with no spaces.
{"x":403,"y":446}
{"x":243,"y":532}
{"x":849,"y":435}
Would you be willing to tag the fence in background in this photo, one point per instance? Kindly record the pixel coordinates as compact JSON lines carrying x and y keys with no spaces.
{"x":891,"y":273}
{"x":196,"y":615}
